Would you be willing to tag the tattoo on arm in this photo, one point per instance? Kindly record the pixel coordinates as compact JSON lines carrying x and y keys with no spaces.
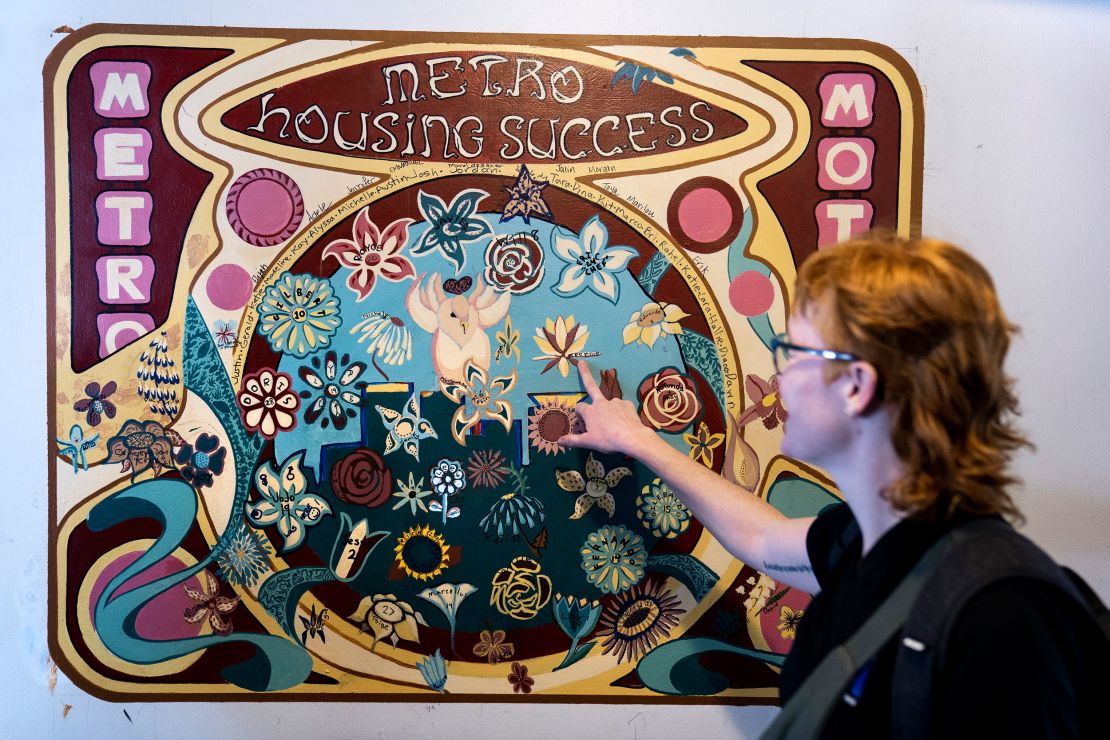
{"x":800,"y":568}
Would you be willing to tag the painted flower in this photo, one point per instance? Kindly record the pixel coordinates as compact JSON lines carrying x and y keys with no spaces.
{"x":267,"y":403}
{"x":492,"y":646}
{"x":448,"y":597}
{"x":520,"y":680}
{"x":703,"y":443}
{"x":412,"y":494}
{"x":387,"y":617}
{"x":142,"y":446}
{"x":515,"y":514}
{"x":520,"y":590}
{"x":450,"y":226}
{"x":613,"y":559}
{"x":479,"y":397}
{"x":224,"y":334}
{"x":387,"y":339}
{"x":636,"y":621}
{"x":200,"y":463}
{"x":405,"y":429}
{"x":653,"y":321}
{"x":547,"y":424}
{"x":245,"y":558}
{"x":434,"y":671}
{"x":373,"y":253}
{"x":362,"y":478}
{"x":639,"y":74}
{"x":559,"y":341}
{"x":421,"y":553}
{"x":286,"y":501}
{"x":507,"y":339}
{"x":577,"y":619}
{"x":299,"y":314}
{"x":485,"y":468}
{"x":766,"y":402}
{"x":447,"y":477}
{"x":660,"y":510}
{"x":668,"y":400}
{"x":76,"y":447}
{"x":313,"y":625}
{"x":158,"y":378}
{"x":591,"y":263}
{"x":97,"y":402}
{"x":594,"y":486}
{"x":789,"y":620}
{"x":209,"y":605}
{"x":526,"y":198}
{"x":514,"y":262}
{"x":338,"y":396}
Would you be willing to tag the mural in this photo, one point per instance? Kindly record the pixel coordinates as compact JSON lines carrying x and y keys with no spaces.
{"x":315,"y":300}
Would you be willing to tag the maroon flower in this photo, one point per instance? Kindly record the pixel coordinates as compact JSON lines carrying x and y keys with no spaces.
{"x":485,"y":468}
{"x":362,"y":478}
{"x":97,"y":403}
{"x":668,"y":401}
{"x":519,"y":678}
{"x":514,"y":262}
{"x":766,"y":402}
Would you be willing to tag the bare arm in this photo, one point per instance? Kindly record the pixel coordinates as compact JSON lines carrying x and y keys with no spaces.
{"x":748,"y":527}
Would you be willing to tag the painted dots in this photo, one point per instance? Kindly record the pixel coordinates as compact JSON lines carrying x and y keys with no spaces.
{"x":705,"y":214}
{"x":229,"y":287}
{"x":751,"y":293}
{"x":264,"y":207}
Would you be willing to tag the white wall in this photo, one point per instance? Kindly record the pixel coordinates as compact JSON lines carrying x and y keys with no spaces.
{"x":1016,"y":166}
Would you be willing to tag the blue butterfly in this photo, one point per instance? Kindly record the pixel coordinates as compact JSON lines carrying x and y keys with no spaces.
{"x":76,"y":446}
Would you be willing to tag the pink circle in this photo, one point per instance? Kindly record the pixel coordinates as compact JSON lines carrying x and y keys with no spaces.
{"x":705,"y":215}
{"x":229,"y":287}
{"x":751,"y":293}
{"x":264,"y":207}
{"x":163,"y":617}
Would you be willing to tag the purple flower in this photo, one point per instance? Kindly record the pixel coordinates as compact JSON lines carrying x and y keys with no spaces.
{"x":97,"y":403}
{"x":202,"y":461}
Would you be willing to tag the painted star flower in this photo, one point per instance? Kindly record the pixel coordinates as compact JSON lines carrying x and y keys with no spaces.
{"x":549,"y":422}
{"x":142,"y":446}
{"x":405,"y":429}
{"x":653,"y":321}
{"x":286,"y":501}
{"x":789,"y":620}
{"x":339,"y":397}
{"x":479,"y":397}
{"x":450,"y":226}
{"x":661,"y":511}
{"x":97,"y":402}
{"x":199,"y":465}
{"x":299,"y":314}
{"x":208,"y":604}
{"x":613,"y":559}
{"x":559,"y":340}
{"x":492,"y":646}
{"x":591,"y":263}
{"x":372,"y":254}
{"x":766,"y":402}
{"x":411,"y":494}
{"x":224,"y":334}
{"x":387,"y":617}
{"x":639,"y":74}
{"x":526,"y":198}
{"x":245,"y":558}
{"x":485,"y":468}
{"x":703,"y":443}
{"x":595,"y":486}
{"x":267,"y":403}
{"x":387,"y":338}
{"x":637,"y":620}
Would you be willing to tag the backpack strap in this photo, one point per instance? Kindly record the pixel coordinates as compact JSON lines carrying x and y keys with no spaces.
{"x":983,"y":552}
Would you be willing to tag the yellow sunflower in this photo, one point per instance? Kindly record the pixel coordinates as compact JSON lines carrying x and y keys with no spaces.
{"x":421,"y":553}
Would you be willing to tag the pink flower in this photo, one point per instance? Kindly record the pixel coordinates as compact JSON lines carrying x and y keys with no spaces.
{"x":373,"y":253}
{"x":766,"y":403}
{"x":267,"y":403}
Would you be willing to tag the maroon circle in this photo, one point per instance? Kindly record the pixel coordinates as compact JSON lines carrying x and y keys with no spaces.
{"x":265,"y":207}
{"x":690,"y":241}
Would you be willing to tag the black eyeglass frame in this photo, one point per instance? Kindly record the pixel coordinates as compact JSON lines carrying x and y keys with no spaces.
{"x":779,"y":341}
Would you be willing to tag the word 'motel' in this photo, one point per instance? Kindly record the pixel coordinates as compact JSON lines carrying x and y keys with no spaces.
{"x":845,"y":162}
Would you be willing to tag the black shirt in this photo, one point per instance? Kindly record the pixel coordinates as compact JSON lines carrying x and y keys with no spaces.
{"x":1016,"y":666}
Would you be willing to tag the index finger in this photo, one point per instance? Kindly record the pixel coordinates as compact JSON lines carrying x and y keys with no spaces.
{"x":588,"y":381}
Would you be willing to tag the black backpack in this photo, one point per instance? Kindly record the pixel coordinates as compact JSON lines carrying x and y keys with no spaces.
{"x":987,"y":551}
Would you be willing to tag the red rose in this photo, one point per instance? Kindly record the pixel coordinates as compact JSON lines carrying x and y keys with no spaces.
{"x":514,"y":262}
{"x":668,"y":401}
{"x":362,"y":478}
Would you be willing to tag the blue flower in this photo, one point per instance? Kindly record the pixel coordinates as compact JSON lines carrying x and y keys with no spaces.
{"x":451,"y":225}
{"x":299,"y":314}
{"x":77,"y":446}
{"x":639,"y":74}
{"x":590,"y":261}
{"x":434,"y":670}
{"x":613,"y":559}
{"x":244,"y":559}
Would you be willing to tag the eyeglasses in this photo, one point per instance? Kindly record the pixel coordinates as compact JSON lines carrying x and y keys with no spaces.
{"x":781,"y":351}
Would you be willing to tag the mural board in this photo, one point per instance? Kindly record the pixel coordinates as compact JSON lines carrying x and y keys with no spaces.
{"x":314,"y":303}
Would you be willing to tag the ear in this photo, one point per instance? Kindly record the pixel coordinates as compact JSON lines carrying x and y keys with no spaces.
{"x":861,"y":393}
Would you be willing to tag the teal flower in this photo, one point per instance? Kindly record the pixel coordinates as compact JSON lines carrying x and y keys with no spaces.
{"x":577,"y":618}
{"x":286,"y":502}
{"x":661,"y":511}
{"x":299,"y":314}
{"x":613,"y":559}
{"x":639,"y":74}
{"x":77,"y":446}
{"x":449,"y":226}
{"x":434,"y":670}
{"x":590,"y":261}
{"x":245,"y":558}
{"x":405,"y":429}
{"x":448,"y":597}
{"x":516,"y":514}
